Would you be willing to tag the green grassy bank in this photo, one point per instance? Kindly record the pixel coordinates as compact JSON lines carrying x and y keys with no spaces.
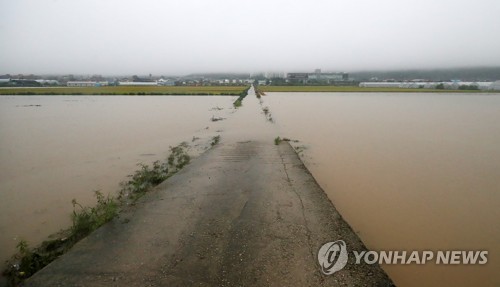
{"x":351,"y":89}
{"x":128,"y":90}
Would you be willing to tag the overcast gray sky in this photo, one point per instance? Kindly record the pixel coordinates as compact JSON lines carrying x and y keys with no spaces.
{"x":184,"y":36}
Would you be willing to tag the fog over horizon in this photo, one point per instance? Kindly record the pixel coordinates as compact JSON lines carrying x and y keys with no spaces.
{"x":196,"y":36}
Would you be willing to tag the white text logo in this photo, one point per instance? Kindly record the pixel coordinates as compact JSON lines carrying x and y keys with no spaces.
{"x":332,"y":257}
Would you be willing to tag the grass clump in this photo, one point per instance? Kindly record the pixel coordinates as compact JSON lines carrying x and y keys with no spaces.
{"x":85,"y":220}
{"x":29,"y":263}
{"x":216,"y":119}
{"x":277,"y":140}
{"x":178,"y":157}
{"x":88,"y":219}
{"x":148,"y":177}
{"x":239,"y":102}
{"x":215,"y":140}
{"x":258,"y":92}
{"x":144,"y":178}
{"x":267,"y":114}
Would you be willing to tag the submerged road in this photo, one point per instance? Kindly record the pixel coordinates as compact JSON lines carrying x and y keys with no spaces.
{"x":246,"y":213}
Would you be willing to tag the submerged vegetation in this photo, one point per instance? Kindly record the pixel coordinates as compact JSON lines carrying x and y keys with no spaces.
{"x":267,"y":114}
{"x":178,"y":157}
{"x":238,"y":103}
{"x":258,"y":92}
{"x":277,"y":140}
{"x":239,"y":100}
{"x":144,"y":179}
{"x":148,"y":177}
{"x":130,"y":90}
{"x":85,"y":220}
{"x":216,"y":119}
{"x":215,"y":140}
{"x":266,"y":110}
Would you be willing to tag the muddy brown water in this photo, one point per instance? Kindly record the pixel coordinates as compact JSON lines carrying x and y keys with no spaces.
{"x":407,"y":171}
{"x":56,"y":148}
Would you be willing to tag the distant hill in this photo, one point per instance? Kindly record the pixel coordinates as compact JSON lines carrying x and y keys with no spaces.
{"x":464,"y":74}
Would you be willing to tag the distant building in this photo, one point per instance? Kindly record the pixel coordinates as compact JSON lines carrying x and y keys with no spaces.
{"x":4,"y":82}
{"x":271,"y":75}
{"x":301,"y":78}
{"x":168,"y":82}
{"x":86,"y":84}
{"x":483,"y":85}
{"x":48,"y":82}
{"x":329,"y":77}
{"x":495,"y":86}
{"x":138,"y":83}
{"x":24,"y":83}
{"x":317,"y":77}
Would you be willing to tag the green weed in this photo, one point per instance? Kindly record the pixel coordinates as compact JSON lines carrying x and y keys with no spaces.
{"x":277,"y":140}
{"x":239,"y":102}
{"x":85,"y":220}
{"x":143,"y":179}
{"x":178,"y":157}
{"x":129,"y":90}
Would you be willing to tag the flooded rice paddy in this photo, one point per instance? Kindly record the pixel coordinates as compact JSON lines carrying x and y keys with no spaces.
{"x":56,"y":148}
{"x":407,"y":171}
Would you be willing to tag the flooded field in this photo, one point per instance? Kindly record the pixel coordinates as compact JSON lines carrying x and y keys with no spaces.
{"x":56,"y":148}
{"x":407,"y":171}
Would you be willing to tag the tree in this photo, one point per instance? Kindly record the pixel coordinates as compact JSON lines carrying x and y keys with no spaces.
{"x":440,"y":86}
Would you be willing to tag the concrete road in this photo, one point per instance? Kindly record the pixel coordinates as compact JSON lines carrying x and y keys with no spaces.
{"x":243,"y":214}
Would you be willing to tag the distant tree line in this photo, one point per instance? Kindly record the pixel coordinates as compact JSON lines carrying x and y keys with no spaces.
{"x":468,"y":87}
